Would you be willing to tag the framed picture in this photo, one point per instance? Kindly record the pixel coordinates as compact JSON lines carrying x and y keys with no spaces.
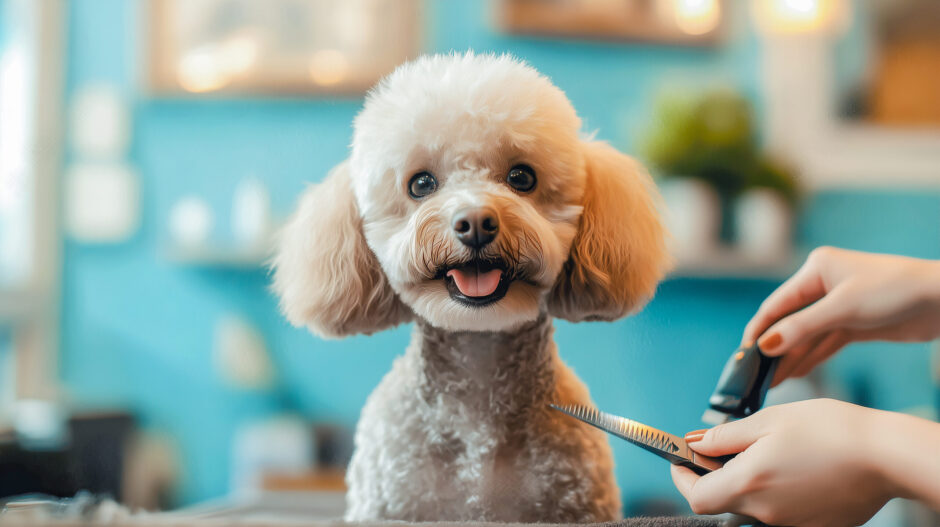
{"x":276,"y":47}
{"x":881,"y":130}
{"x":675,"y":22}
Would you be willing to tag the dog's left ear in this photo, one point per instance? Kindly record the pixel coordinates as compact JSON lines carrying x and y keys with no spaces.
{"x":619,"y":253}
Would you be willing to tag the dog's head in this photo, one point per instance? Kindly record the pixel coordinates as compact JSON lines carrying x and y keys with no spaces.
{"x":471,"y":202}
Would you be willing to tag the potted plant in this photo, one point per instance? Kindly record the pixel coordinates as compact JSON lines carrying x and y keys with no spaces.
{"x":719,"y":186}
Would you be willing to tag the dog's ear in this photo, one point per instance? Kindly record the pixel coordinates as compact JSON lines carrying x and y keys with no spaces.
{"x":619,"y":253}
{"x":326,"y":275}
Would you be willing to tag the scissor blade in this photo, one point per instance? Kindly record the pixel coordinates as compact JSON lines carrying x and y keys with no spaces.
{"x":665,"y":445}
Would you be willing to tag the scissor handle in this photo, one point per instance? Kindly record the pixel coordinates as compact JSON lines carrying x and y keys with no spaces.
{"x":701,"y":464}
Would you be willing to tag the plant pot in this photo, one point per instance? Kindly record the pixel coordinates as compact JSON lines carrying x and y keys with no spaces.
{"x":692,"y":216}
{"x":763,"y":226}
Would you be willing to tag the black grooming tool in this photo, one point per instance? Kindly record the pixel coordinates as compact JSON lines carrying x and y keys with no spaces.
{"x":742,"y":386}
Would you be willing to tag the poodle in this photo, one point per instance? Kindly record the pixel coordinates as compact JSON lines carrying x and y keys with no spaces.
{"x":471,"y":206}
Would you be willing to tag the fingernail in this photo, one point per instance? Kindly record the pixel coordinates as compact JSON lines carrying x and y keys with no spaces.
{"x":747,"y":343}
{"x":769,"y":342}
{"x":695,"y":435}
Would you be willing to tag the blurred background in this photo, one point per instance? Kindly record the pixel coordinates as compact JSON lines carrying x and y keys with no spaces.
{"x":148,"y":149}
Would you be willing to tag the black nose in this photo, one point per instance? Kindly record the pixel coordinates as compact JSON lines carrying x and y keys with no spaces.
{"x":476,"y":227}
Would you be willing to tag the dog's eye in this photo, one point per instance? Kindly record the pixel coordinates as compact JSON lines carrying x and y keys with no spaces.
{"x":422,"y":184}
{"x":521,"y":178}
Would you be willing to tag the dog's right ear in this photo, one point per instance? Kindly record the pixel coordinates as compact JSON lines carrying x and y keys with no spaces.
{"x":327,"y":277}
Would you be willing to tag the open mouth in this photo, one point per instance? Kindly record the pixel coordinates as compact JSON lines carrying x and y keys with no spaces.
{"x":477,"y":282}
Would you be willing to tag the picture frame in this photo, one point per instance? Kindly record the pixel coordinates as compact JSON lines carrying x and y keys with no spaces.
{"x":670,"y":22}
{"x":803,"y":121}
{"x":276,"y":47}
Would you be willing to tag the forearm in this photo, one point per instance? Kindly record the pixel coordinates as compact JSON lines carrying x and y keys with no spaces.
{"x":931,"y":280}
{"x":906,"y":453}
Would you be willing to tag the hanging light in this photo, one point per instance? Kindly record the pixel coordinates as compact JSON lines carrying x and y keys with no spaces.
{"x":800,"y":16}
{"x":696,"y":17}
{"x":213,"y":66}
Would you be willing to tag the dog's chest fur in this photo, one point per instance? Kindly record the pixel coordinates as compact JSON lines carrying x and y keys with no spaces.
{"x":460,"y":430}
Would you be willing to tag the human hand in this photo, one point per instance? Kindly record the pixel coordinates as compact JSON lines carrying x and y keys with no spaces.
{"x":806,"y":463}
{"x":840,"y":296}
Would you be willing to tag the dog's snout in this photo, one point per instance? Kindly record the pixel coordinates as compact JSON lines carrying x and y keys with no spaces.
{"x":476,"y":227}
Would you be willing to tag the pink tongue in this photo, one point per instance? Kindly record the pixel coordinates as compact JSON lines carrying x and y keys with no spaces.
{"x":474,"y":283}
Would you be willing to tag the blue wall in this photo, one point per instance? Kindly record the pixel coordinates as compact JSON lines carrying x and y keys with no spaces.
{"x":137,"y":330}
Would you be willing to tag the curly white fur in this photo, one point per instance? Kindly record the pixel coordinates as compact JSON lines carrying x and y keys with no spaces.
{"x":459,"y":429}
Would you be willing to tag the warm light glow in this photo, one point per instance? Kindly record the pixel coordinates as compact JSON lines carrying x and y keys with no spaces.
{"x":239,"y":53}
{"x":800,"y":16}
{"x":328,"y":66}
{"x":201,"y":71}
{"x":213,"y":66}
{"x":696,"y":17}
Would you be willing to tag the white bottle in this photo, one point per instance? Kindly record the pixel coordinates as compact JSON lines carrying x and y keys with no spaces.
{"x":251,"y":213}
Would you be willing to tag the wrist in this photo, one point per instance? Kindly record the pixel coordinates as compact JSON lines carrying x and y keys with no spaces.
{"x":932,"y":279}
{"x":900,"y":453}
{"x":877,"y":448}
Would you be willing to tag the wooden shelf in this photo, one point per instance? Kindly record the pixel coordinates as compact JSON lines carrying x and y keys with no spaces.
{"x":313,"y":481}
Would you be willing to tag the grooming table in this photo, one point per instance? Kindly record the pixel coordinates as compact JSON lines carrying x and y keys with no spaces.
{"x":281,"y":509}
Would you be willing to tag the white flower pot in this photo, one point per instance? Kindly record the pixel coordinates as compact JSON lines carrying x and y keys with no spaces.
{"x":763,"y":226}
{"x":692,"y":216}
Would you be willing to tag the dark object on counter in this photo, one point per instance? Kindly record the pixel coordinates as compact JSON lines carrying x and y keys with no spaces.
{"x":334,"y":446}
{"x":91,"y":460}
{"x":742,"y":386}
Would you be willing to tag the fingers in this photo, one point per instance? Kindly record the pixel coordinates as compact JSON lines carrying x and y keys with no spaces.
{"x":829,"y":345}
{"x":801,"y":289}
{"x":721,"y":490}
{"x":729,"y":438}
{"x":713,"y":493}
{"x":704,"y":498}
{"x":826,"y":314}
{"x":801,"y":360}
{"x":684,"y":479}
{"x":790,"y":361}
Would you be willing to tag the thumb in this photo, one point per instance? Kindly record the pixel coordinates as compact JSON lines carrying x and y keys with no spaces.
{"x":729,"y":438}
{"x":826,"y":314}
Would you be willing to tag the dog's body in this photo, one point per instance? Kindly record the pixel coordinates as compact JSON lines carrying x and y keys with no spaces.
{"x":471,"y":206}
{"x":460,"y":429}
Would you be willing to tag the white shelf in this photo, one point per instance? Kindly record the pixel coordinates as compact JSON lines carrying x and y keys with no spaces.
{"x":223,"y":256}
{"x":728,"y":262}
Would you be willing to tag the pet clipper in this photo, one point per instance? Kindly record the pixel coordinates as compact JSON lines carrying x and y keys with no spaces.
{"x":742,"y":386}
